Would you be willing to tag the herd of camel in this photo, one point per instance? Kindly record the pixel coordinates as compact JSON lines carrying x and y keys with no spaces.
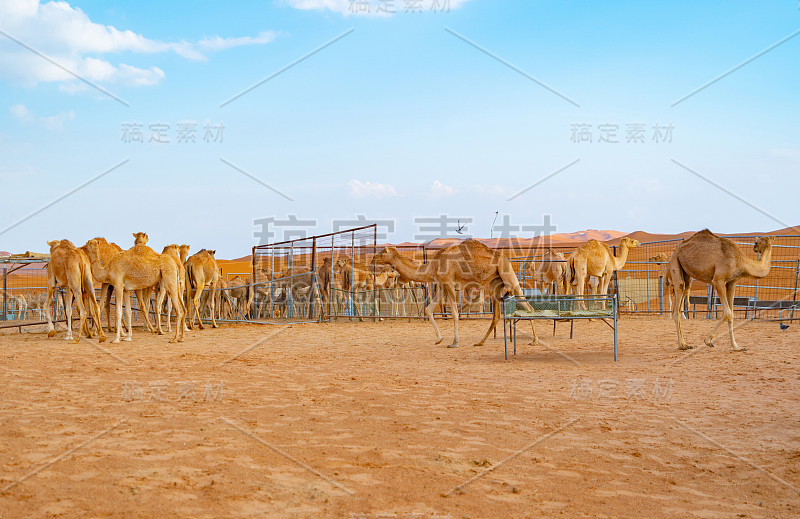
{"x":704,"y":256}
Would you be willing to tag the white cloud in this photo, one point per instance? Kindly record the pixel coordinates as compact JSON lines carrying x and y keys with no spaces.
{"x":53,"y":122}
{"x":360,"y":189}
{"x":217,"y":43}
{"x":67,"y":35}
{"x":347,"y":7}
{"x":439,"y":190}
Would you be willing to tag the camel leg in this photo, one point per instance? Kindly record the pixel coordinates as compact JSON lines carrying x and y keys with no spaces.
{"x":129,"y":315}
{"x":169,"y":314}
{"x":94,"y":308}
{"x":144,"y":302}
{"x":727,"y":314}
{"x":196,"y":302}
{"x":212,"y":296}
{"x":429,"y":312}
{"x":172,"y":289}
{"x":81,"y":312}
{"x":105,"y":303}
{"x":68,"y":311}
{"x":118,"y":292}
{"x":48,"y":306}
{"x":159,"y":303}
{"x":680,"y":292}
{"x":495,"y":317}
{"x":731,"y":291}
{"x":450,"y":294}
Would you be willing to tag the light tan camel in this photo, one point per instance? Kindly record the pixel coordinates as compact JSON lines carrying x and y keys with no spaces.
{"x":69,"y":266}
{"x":107,"y":251}
{"x":201,"y":269}
{"x":137,"y":268}
{"x":596,"y":259}
{"x":178,"y":255}
{"x":468,"y":263}
{"x":552,"y":269}
{"x":663,"y":273}
{"x":718,"y":261}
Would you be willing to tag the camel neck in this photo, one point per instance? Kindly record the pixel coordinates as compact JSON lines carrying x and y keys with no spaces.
{"x":411,"y":269}
{"x":759,"y":268}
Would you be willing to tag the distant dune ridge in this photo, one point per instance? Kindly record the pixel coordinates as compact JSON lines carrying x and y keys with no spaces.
{"x":571,"y":239}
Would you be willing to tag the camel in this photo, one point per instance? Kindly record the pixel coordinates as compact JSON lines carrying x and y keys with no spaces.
{"x":719,"y":262}
{"x":469,"y":262}
{"x":178,"y":255}
{"x":552,"y":269}
{"x":137,"y":268}
{"x":108,"y":250}
{"x":201,"y":269}
{"x":35,"y":301}
{"x":70,"y":267}
{"x":19,"y":305}
{"x":596,"y":259}
{"x":239,"y":291}
{"x":223,"y":301}
{"x":663,"y":273}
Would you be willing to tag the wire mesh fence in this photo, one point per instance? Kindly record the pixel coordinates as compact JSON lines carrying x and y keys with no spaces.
{"x":332,"y":276}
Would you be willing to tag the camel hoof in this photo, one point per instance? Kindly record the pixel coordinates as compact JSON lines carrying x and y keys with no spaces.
{"x":76,"y":341}
{"x":739,"y":349}
{"x":478,"y":344}
{"x":51,"y":333}
{"x":685,"y":347}
{"x":215,"y":326}
{"x":439,"y":341}
{"x":127,"y":339}
{"x":172,"y":341}
{"x":103,"y":339}
{"x":708,"y":342}
{"x":115,"y":341}
{"x":160,"y":333}
{"x":454,"y":345}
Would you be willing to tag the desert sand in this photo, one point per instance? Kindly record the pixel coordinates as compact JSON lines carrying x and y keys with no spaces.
{"x":372,"y":420}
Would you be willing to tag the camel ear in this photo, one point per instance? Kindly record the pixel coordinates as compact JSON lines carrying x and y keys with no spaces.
{"x":50,"y":243}
{"x":133,"y":234}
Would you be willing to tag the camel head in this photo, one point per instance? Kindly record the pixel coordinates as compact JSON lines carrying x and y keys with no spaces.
{"x":763,"y":243}
{"x":184,"y":251}
{"x":630,"y":243}
{"x":341,"y":263}
{"x":140,"y":238}
{"x":93,"y":249}
{"x":53,"y":244}
{"x":386,"y":256}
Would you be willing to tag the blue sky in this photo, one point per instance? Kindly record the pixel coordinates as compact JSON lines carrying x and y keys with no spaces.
{"x":399,"y":119}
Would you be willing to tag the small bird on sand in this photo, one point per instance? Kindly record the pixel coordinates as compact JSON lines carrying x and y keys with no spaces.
{"x":783,"y":326}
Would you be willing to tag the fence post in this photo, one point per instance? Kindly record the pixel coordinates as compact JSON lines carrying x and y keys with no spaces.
{"x":5,"y":294}
{"x":314,"y":284}
{"x":255,"y":280}
{"x":794,"y":294}
{"x":375,"y":298}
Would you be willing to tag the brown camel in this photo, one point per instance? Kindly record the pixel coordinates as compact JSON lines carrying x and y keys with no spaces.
{"x":552,"y":269}
{"x":201,"y":269}
{"x":470,"y":263}
{"x":718,"y":261}
{"x":137,"y":268}
{"x":596,"y":259}
{"x":69,"y":266}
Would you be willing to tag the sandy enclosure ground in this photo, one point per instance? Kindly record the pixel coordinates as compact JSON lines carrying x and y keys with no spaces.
{"x":368,"y":420}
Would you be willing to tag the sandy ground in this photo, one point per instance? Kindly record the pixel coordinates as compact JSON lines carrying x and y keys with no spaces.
{"x":369,"y":420}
